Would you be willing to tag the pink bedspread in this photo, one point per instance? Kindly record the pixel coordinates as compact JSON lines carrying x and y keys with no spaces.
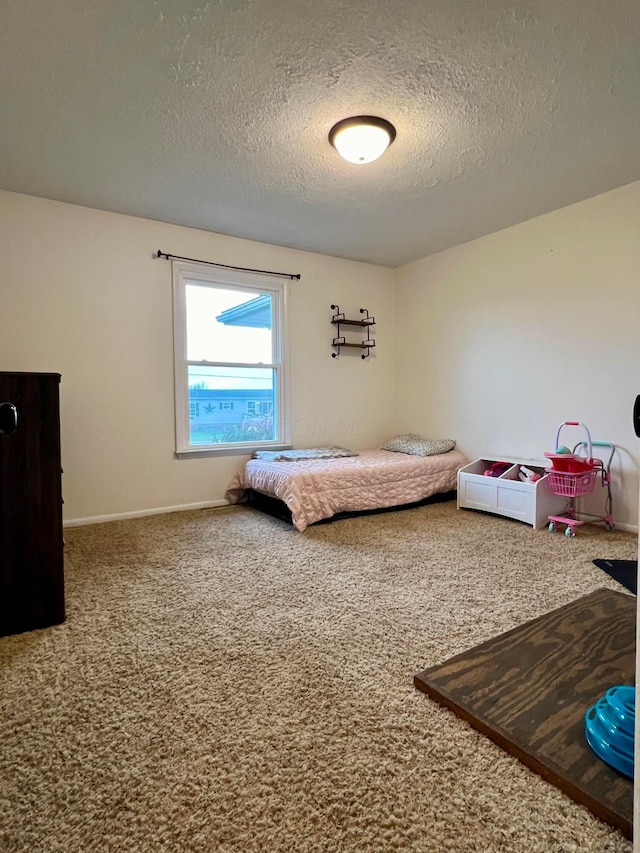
{"x":375,"y":479}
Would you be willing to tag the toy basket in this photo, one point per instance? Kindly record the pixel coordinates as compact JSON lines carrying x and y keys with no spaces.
{"x":572,"y":485}
{"x":575,"y":474}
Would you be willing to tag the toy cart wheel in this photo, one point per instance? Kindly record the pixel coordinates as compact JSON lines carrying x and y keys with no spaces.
{"x":609,"y":526}
{"x":552,"y":527}
{"x":570,"y":533}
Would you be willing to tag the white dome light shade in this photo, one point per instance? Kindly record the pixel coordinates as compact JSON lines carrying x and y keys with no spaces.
{"x":362,"y":139}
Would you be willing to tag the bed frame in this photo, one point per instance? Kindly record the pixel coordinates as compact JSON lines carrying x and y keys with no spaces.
{"x":279,"y":509}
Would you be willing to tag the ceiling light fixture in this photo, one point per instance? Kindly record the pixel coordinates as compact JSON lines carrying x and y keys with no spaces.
{"x":362,"y":139}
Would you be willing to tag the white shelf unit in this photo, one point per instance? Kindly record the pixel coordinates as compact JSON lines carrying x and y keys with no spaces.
{"x":508,"y":495}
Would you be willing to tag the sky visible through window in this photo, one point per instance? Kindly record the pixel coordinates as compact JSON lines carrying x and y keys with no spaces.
{"x":210,"y":340}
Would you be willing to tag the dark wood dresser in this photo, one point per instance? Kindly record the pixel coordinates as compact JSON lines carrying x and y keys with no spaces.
{"x":31,"y":543}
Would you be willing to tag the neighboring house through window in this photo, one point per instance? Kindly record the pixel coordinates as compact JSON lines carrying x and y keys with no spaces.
{"x":230,"y":371}
{"x":259,"y":407}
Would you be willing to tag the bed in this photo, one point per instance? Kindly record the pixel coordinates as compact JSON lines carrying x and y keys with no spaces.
{"x":317,"y":489}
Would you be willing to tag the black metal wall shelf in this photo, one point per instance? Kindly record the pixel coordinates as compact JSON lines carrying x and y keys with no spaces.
{"x":338,"y":319}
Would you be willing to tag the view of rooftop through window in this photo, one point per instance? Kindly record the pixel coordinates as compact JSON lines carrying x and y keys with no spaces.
{"x":226,"y":329}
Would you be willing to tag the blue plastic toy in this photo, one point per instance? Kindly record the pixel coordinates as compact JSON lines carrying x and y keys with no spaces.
{"x":609,"y":728}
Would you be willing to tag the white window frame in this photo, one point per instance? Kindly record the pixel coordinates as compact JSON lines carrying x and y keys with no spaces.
{"x":251,"y":283}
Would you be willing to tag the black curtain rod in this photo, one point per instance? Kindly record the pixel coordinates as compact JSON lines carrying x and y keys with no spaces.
{"x":226,"y":266}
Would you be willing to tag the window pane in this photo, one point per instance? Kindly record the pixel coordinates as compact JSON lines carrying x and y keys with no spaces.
{"x":228,"y":325}
{"x":231,"y":404}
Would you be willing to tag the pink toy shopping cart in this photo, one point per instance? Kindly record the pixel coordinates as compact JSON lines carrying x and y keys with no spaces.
{"x":574,"y":474}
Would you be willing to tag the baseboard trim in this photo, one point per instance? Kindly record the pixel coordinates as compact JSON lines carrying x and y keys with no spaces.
{"x":122,"y":516}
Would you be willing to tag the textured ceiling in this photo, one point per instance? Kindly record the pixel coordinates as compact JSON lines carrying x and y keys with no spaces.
{"x":216,"y":114}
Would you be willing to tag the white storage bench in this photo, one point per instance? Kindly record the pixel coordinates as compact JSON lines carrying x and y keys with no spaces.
{"x":508,"y":495}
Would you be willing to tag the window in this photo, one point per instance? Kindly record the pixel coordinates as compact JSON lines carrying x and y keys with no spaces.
{"x":259,"y":407}
{"x":229,"y":368}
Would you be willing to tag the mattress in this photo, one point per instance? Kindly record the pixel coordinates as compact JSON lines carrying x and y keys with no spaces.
{"x":320,"y":488}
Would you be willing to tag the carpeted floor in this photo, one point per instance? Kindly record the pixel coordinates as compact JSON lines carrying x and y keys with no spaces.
{"x":223,"y":683}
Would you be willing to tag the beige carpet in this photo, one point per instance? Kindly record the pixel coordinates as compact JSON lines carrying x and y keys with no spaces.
{"x":223,"y":683}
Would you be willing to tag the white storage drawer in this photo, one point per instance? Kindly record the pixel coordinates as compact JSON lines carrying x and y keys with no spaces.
{"x":508,"y":495}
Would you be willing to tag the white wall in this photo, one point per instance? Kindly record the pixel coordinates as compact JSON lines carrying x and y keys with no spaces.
{"x":82,"y":295}
{"x":502,"y":339}
{"x":493,"y":343}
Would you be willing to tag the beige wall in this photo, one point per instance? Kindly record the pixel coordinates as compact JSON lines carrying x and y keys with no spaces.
{"x":502,"y":339}
{"x":493,"y":343}
{"x":83,"y":296}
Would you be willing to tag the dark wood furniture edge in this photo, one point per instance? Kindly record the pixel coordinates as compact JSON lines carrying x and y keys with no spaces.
{"x":543,"y":616}
{"x":547,"y":769}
